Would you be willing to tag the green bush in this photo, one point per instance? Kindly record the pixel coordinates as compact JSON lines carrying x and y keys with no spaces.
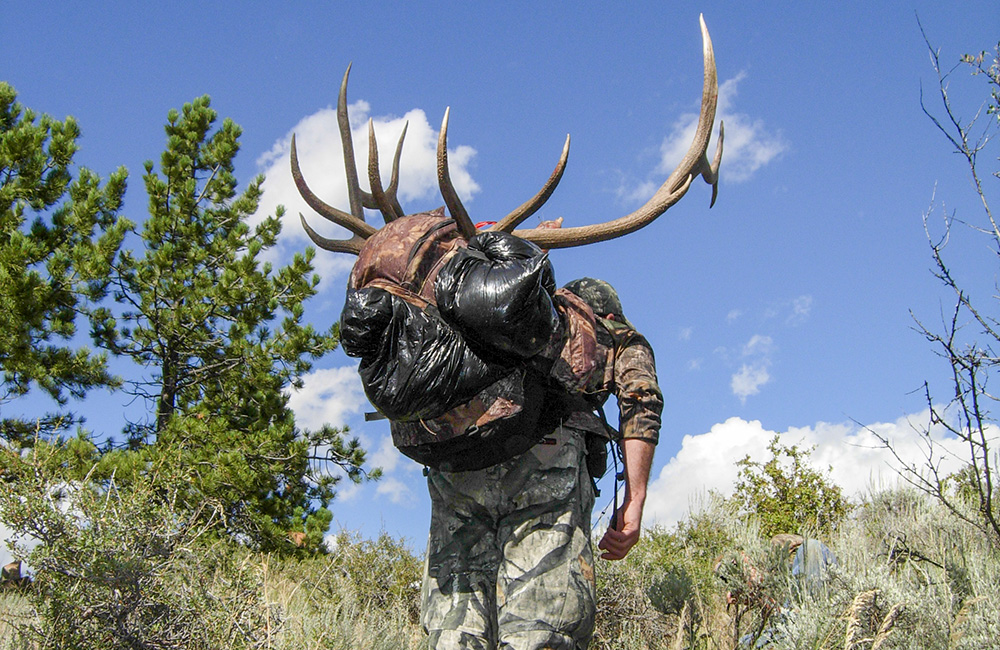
{"x":907,"y":575}
{"x":787,"y":495}
{"x":665,"y":587}
{"x":119,"y":568}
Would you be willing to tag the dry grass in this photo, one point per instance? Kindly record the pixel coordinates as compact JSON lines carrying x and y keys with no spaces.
{"x":908,"y":577}
{"x":15,"y":611}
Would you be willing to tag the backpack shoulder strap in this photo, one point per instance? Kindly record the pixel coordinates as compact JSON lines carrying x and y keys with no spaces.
{"x":399,"y":291}
{"x":621,"y":334}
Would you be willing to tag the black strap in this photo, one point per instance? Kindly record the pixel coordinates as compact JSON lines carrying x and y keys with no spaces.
{"x":616,"y":455}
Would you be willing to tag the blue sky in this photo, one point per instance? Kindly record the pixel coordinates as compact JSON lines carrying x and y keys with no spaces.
{"x":785,"y":308}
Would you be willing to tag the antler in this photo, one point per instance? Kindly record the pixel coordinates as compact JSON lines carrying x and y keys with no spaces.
{"x":382,"y":199}
{"x":695,"y":163}
{"x":455,"y":207}
{"x":531,"y":206}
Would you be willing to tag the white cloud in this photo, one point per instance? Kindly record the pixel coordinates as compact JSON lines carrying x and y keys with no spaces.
{"x":754,"y":373}
{"x":629,"y":190}
{"x":5,"y":554}
{"x":328,"y":396}
{"x":795,"y":311}
{"x":321,"y":160}
{"x":749,"y":378}
{"x":685,"y":334}
{"x":348,"y":491}
{"x":61,"y":495}
{"x":755,"y":356}
{"x":397,"y":491}
{"x":801,"y":307}
{"x":722,"y":352}
{"x":758,"y":345}
{"x":386,"y":456}
{"x":859,"y":463}
{"x":748,"y":146}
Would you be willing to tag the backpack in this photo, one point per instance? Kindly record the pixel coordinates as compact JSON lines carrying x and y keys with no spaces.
{"x":451,"y":406}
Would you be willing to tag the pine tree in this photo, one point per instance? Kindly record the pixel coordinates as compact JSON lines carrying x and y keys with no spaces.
{"x":220,"y":336}
{"x":55,"y":270}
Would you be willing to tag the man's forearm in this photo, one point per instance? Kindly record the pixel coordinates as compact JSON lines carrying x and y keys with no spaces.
{"x":638,"y":463}
{"x":627,"y":527}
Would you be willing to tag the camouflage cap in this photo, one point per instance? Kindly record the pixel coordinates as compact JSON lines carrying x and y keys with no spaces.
{"x":600,"y":296}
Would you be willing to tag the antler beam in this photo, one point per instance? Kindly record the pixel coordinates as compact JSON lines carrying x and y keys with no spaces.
{"x":695,"y":163}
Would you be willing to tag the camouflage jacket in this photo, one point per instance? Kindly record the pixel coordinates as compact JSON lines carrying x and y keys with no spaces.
{"x":627,"y":369}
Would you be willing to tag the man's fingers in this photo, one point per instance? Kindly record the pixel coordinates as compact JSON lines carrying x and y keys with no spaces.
{"x":615,"y":551}
{"x":612,"y":541}
{"x":617,"y":544}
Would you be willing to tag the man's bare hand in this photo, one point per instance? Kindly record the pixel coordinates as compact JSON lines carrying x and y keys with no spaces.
{"x":624,"y":534}
{"x":620,"y":538}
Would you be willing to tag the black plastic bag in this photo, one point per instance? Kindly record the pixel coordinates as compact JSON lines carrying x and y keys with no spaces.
{"x":414,"y":365}
{"x":498,"y":294}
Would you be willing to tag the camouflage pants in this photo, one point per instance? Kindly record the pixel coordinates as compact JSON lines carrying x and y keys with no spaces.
{"x":509,"y":559}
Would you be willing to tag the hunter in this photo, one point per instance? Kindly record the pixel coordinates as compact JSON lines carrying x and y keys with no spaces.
{"x":510,"y":454}
{"x":509,"y":558}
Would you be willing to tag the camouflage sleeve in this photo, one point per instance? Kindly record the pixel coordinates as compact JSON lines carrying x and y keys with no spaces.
{"x":640,"y":401}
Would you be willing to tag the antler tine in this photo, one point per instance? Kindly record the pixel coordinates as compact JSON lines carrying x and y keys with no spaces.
{"x":352,"y":245}
{"x":455,"y":207}
{"x":673,"y":189}
{"x":355,"y":221}
{"x":384,"y":203}
{"x":353,"y":187}
{"x":366,"y":197}
{"x":710,"y":171}
{"x":394,"y":179}
{"x":339,"y":217}
{"x":528,"y":208}
{"x":375,"y":178}
{"x":695,"y":160}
